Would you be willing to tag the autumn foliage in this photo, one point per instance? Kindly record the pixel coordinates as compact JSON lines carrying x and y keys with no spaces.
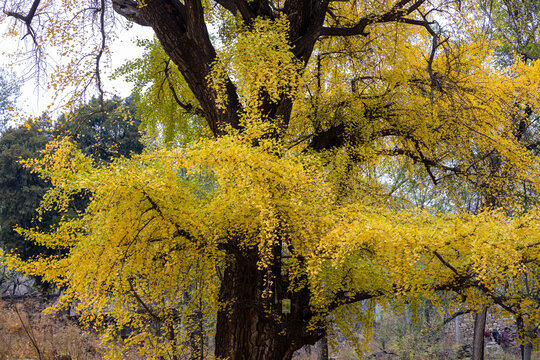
{"x":280,"y":182}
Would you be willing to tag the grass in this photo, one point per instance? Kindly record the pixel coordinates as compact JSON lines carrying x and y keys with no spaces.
{"x":29,"y":334}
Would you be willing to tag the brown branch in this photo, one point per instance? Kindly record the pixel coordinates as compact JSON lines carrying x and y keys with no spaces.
{"x":396,"y":13}
{"x":100,"y":51}
{"x":446,"y":263}
{"x":27,"y":19}
{"x":425,"y":162}
{"x":179,"y":231}
{"x":186,"y":106}
{"x":230,"y":5}
{"x":342,"y":298}
{"x":455,"y":315}
{"x":130,"y":10}
{"x":142,"y":303}
{"x":413,"y":156}
{"x":29,"y":333}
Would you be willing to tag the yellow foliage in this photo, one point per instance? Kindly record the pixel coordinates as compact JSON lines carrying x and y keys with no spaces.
{"x":152,"y":237}
{"x":152,"y":244}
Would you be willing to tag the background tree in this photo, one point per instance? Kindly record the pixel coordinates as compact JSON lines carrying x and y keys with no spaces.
{"x":103,"y":130}
{"x":22,"y":190}
{"x":9,"y":90}
{"x":515,"y":24}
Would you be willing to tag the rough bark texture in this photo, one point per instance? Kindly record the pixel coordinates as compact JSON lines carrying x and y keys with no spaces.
{"x":181,"y":30}
{"x":251,"y":325}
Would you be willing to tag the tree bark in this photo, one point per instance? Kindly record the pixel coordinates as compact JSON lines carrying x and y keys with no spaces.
{"x":250,"y":322}
{"x":182,"y":31}
{"x":478,"y":338}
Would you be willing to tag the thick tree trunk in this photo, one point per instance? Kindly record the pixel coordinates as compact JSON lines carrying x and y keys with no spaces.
{"x":250,"y":322}
{"x":478,"y":337}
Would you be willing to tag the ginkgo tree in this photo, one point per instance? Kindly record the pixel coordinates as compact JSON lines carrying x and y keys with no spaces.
{"x":278,"y":219}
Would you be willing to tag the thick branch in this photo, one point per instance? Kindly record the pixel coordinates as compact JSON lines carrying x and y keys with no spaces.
{"x":130,"y":10}
{"x":396,"y":13}
{"x":181,"y":30}
{"x":230,"y":5}
{"x":27,"y":19}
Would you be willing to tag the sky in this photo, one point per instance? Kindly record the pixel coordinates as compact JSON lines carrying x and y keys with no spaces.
{"x":34,"y":99}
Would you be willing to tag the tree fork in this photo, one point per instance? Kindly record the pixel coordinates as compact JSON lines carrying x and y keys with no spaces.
{"x":182,"y":32}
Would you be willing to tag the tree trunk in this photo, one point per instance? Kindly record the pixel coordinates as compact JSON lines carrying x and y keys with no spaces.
{"x":527,"y":351}
{"x":526,"y":347}
{"x":323,"y":355}
{"x":478,"y":338}
{"x":181,"y":30}
{"x":250,"y":322}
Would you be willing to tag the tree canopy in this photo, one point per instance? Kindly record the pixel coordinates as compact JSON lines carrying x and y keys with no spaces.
{"x":279,"y":202}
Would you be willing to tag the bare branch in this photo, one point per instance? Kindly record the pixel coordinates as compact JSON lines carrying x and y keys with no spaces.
{"x":27,"y":19}
{"x":100,"y":51}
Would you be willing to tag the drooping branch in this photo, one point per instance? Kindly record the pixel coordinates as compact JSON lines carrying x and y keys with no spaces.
{"x":179,"y":231}
{"x":189,"y":108}
{"x":147,"y":308}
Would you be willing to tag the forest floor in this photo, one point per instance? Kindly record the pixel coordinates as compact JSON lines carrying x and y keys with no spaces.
{"x":28,"y":333}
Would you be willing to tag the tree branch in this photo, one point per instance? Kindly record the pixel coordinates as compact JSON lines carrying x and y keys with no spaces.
{"x":230,"y":5}
{"x":179,"y":231}
{"x":27,"y":19}
{"x":142,"y":303}
{"x":396,"y":13}
{"x":186,"y":106}
{"x":130,"y":10}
